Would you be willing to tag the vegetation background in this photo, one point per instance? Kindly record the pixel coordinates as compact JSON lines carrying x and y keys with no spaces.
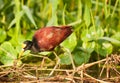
{"x":96,"y":25}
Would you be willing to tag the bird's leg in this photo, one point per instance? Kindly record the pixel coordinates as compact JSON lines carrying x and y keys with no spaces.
{"x":58,"y":62}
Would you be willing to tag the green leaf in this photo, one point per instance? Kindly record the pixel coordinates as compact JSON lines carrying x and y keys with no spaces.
{"x":7,"y":54}
{"x":16,"y":41}
{"x":65,"y":59}
{"x":11,"y":32}
{"x":70,"y":42}
{"x":92,"y":34}
{"x":103,"y":48}
{"x":81,"y":57}
{"x":29,"y":15}
{"x":2,"y":35}
{"x":89,"y":46}
{"x":116,"y":36}
{"x":112,"y":40}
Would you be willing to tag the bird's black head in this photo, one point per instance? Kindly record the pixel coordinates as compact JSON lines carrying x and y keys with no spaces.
{"x":27,"y":45}
{"x":31,"y":45}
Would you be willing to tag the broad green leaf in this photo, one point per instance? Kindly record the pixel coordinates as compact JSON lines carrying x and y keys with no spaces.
{"x":65,"y":59}
{"x":11,"y":32}
{"x":8,"y":54}
{"x":3,"y":35}
{"x":81,"y":57}
{"x":92,"y":34}
{"x":116,"y":36}
{"x":16,"y":41}
{"x":99,"y":32}
{"x":70,"y":42}
{"x":103,"y":48}
{"x":89,"y":46}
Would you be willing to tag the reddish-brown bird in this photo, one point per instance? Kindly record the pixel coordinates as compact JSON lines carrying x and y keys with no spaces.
{"x":47,"y":38}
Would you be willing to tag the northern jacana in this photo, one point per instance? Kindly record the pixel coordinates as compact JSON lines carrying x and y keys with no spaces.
{"x":47,"y":38}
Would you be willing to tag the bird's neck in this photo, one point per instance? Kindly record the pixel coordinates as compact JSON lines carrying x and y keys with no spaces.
{"x":35,"y":48}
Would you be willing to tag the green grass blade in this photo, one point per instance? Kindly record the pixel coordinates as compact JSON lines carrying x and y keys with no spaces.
{"x":113,"y":41}
{"x":29,"y":15}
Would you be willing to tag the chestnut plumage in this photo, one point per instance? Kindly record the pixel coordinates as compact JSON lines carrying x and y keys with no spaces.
{"x":47,"y":38}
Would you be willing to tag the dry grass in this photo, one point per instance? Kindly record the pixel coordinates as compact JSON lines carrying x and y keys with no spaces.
{"x":30,"y":74}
